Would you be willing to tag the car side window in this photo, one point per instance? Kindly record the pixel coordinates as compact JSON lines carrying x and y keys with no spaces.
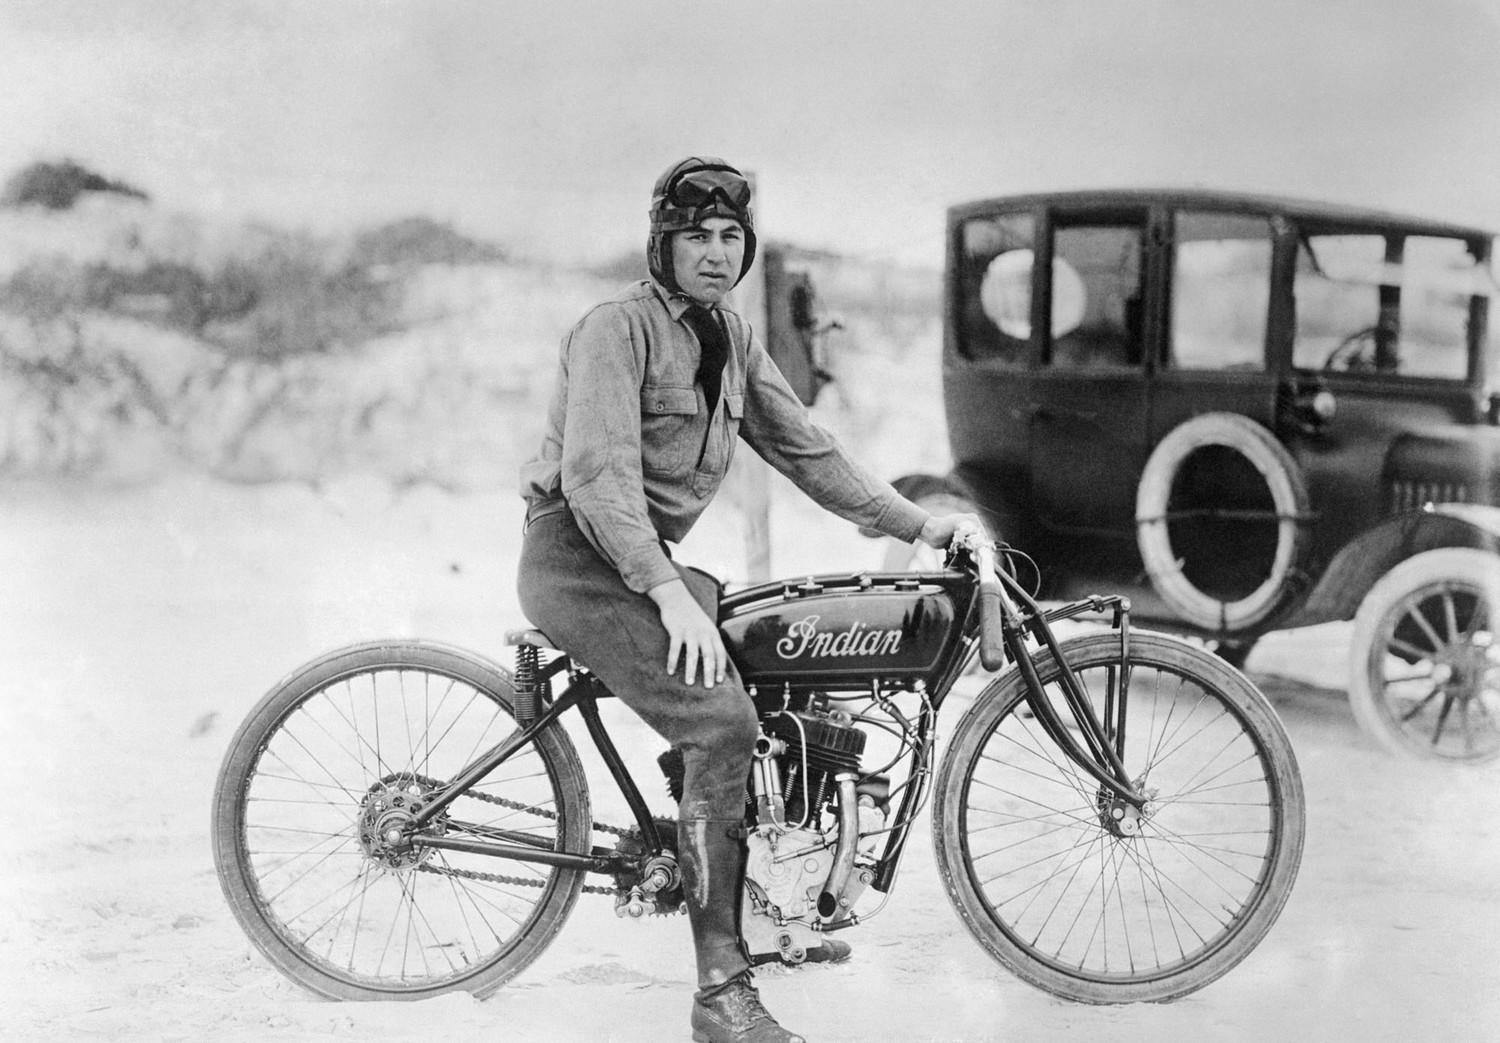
{"x":994,"y":288}
{"x":1392,"y":304}
{"x":1439,"y":277}
{"x":1096,"y":296}
{"x":1337,"y":300}
{"x":1221,"y":291}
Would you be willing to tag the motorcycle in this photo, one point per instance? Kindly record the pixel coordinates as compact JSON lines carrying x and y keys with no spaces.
{"x":1117,"y":816}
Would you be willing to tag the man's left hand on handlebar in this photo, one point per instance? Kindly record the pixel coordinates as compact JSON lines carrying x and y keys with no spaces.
{"x":941,"y":530}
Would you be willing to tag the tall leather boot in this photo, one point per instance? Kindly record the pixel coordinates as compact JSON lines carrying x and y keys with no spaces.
{"x":726,"y":1008}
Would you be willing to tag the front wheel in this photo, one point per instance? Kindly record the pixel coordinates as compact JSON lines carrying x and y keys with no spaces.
{"x":1424,"y":665}
{"x":1090,"y":899}
{"x":314,"y":791}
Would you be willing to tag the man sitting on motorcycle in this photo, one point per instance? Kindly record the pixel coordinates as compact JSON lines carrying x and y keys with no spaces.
{"x":654,"y":387}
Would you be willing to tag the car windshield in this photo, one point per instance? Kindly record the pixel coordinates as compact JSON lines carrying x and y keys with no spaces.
{"x":1386,"y":303}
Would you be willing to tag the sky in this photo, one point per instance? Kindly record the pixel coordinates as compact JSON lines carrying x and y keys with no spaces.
{"x":543,"y":124}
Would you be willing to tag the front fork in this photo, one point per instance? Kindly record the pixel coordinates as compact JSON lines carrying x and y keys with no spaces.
{"x":1103,"y":740}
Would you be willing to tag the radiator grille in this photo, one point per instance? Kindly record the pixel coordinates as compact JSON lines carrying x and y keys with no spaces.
{"x":1410,"y":494}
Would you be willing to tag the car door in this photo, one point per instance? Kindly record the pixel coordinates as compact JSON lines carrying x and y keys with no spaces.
{"x":1089,"y":410}
{"x":1215,"y":348}
{"x":1217,"y":546}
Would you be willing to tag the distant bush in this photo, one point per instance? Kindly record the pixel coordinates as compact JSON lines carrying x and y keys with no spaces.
{"x":421,"y":240}
{"x":297,"y":297}
{"x":284,"y":297}
{"x":57,"y":186}
{"x":44,"y":288}
{"x":133,"y":340}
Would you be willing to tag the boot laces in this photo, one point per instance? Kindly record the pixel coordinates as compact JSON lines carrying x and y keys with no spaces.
{"x":740,"y":1003}
{"x":740,"y":1015}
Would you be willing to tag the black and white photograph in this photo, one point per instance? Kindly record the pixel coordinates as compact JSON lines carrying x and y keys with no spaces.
{"x":605,"y":522}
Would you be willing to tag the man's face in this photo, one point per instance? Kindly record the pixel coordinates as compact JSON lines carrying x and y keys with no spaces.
{"x":706,"y":259}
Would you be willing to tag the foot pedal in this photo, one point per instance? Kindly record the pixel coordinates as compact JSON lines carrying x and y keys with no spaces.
{"x":787,"y":951}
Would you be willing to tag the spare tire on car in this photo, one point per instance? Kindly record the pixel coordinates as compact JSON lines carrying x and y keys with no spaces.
{"x":1221,"y":480}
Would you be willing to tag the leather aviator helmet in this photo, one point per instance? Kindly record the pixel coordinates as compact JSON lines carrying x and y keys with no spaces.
{"x":689,"y":192}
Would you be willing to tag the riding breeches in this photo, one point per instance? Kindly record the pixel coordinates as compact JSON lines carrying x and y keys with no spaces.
{"x":575,"y":597}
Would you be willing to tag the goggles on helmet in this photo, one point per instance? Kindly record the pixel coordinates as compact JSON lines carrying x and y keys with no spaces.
{"x":695,"y":194}
{"x":695,"y":188}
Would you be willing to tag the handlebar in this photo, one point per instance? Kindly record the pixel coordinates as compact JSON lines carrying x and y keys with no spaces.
{"x":992,"y":601}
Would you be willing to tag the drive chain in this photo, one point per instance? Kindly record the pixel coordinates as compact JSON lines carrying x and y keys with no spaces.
{"x":520,"y":881}
{"x":437,"y":785}
{"x":499,"y":878}
{"x":515,"y":805}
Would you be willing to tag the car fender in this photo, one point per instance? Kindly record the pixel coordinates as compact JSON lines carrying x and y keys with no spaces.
{"x":1362,"y":561}
{"x":915,"y":486}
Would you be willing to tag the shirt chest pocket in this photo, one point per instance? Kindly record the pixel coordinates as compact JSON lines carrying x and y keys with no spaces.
{"x":734,"y":405}
{"x":719,"y":450}
{"x":669,"y":428}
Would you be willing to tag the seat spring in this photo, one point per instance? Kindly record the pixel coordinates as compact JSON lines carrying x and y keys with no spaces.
{"x":528,"y":696}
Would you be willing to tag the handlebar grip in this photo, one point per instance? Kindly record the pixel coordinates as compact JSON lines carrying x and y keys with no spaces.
{"x":991,"y":610}
{"x":991,"y":634}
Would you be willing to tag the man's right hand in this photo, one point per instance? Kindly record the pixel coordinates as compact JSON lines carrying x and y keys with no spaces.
{"x":690,"y":634}
{"x":941,"y":529}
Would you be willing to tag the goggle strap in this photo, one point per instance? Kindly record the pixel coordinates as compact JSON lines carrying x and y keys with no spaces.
{"x":711,"y":168}
{"x":687,"y":217}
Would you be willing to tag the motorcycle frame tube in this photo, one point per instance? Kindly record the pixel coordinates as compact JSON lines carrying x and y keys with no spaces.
{"x":583,"y":693}
{"x":912,"y":799}
{"x":589,"y":707}
{"x":564,"y":859}
{"x":495,"y":756}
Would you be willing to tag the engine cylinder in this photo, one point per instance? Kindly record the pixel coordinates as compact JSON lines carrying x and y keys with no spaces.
{"x":817,"y":749}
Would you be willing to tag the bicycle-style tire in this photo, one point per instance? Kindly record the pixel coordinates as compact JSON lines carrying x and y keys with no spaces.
{"x":299,"y":798}
{"x":1067,"y":903}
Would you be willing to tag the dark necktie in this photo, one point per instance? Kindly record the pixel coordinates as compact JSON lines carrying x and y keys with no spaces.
{"x":715,"y":351}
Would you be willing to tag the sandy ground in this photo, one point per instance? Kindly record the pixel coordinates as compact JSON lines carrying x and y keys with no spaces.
{"x":139,"y":626}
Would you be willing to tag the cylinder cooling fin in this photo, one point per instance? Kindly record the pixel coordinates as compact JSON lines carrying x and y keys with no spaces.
{"x":829,"y":746}
{"x":818,"y":751}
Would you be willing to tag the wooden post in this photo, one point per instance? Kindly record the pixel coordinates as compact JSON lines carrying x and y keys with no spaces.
{"x":750,"y":473}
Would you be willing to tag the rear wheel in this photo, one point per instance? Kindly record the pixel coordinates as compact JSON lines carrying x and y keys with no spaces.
{"x":316,"y":787}
{"x":1079,"y":893}
{"x":1424,"y":667}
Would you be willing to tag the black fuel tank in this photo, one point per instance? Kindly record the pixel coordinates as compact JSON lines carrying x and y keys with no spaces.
{"x":840,"y":631}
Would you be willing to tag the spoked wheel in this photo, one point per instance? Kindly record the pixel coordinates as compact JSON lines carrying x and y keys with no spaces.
{"x":1087,"y":897}
{"x":312,"y":821}
{"x":1424,"y":675}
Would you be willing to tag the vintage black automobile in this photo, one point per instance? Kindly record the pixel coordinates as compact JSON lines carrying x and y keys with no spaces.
{"x":1248,"y":414}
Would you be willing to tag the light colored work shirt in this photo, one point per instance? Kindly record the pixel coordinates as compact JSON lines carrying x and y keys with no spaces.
{"x":632,"y":449}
